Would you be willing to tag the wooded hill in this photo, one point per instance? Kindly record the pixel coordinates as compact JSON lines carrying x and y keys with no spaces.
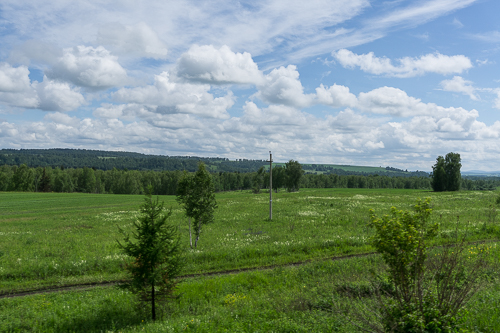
{"x":107,"y":160}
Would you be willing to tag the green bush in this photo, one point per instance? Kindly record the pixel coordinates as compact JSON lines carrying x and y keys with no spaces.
{"x":429,"y":291}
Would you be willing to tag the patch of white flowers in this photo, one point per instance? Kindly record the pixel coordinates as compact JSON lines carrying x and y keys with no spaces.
{"x":361,"y":239}
{"x":79,"y":263}
{"x":15,"y":233}
{"x":115,"y":256}
{"x":235,"y":242}
{"x":288,"y":243}
{"x":326,"y":198}
{"x":118,"y":216}
{"x":308,"y":213}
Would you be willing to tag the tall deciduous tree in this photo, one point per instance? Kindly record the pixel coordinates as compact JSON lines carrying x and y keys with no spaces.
{"x":86,"y":180}
{"x":278,"y":177}
{"x":184,"y":193}
{"x":439,"y":175}
{"x":258,"y":180}
{"x":293,"y":172}
{"x":452,"y":169}
{"x":197,"y":195}
{"x":446,"y":173}
{"x":23,"y":179}
{"x":156,"y":252}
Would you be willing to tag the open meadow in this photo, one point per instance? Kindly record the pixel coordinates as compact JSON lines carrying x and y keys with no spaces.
{"x":55,"y":239}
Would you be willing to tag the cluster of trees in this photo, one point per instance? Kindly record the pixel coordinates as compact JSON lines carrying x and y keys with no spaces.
{"x":288,"y":177}
{"x":391,"y":172}
{"x":446,"y":173}
{"x":88,"y":180}
{"x":372,"y":181}
{"x":107,"y":160}
{"x":476,"y":183}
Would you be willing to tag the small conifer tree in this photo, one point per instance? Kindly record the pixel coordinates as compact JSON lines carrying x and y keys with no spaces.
{"x":155,"y":250}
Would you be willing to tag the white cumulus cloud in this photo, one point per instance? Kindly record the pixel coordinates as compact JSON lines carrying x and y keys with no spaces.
{"x":282,"y":86}
{"x":89,"y":67}
{"x":218,"y":66}
{"x":390,"y":101}
{"x":408,"y":67}
{"x":168,"y":96}
{"x":458,"y":84}
{"x":17,"y":90}
{"x":57,"y":96}
{"x":335,"y":96}
{"x":15,"y":87}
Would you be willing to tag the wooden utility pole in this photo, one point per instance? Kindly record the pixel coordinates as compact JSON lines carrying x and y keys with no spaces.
{"x":270,"y":186}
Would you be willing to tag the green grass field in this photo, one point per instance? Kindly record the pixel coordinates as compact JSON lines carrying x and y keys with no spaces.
{"x":52,"y":239}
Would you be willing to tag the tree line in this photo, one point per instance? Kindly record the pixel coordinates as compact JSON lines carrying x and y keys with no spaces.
{"x":88,"y":180}
{"x":107,"y":160}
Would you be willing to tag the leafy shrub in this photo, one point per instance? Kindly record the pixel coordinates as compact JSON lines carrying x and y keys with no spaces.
{"x":428,"y":289}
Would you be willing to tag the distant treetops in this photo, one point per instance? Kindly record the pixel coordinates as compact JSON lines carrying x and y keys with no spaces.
{"x":446,"y":173}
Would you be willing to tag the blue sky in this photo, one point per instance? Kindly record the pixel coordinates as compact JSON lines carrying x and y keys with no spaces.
{"x":360,"y":82}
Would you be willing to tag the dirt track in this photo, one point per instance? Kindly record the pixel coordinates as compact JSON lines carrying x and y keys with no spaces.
{"x":84,"y":286}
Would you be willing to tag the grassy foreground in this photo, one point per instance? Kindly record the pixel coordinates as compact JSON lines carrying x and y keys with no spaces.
{"x":293,"y":299}
{"x":54,"y":239}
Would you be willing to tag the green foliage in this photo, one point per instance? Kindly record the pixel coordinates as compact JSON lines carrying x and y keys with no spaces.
{"x":439,"y":175}
{"x":279,"y":177}
{"x":429,"y":293}
{"x":196,"y":194}
{"x":293,"y":173}
{"x":422,"y":318}
{"x":45,"y":181}
{"x":87,"y":181}
{"x":446,"y":173}
{"x":452,"y":168}
{"x":258,"y":180}
{"x":402,"y":240}
{"x":156,"y":254}
{"x":165,"y":182}
{"x":23,"y":179}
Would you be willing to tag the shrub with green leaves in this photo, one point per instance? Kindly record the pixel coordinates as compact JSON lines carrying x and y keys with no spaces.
{"x":429,"y":291}
{"x":401,"y":239}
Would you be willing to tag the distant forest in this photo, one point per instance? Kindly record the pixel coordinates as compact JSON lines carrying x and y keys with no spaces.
{"x":91,"y":171}
{"x":107,"y":160}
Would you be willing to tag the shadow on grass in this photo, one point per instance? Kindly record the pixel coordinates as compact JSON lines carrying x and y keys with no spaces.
{"x":106,"y":316}
{"x":106,"y":319}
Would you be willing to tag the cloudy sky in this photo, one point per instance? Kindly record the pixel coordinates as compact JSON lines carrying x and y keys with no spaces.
{"x":361,"y":82}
